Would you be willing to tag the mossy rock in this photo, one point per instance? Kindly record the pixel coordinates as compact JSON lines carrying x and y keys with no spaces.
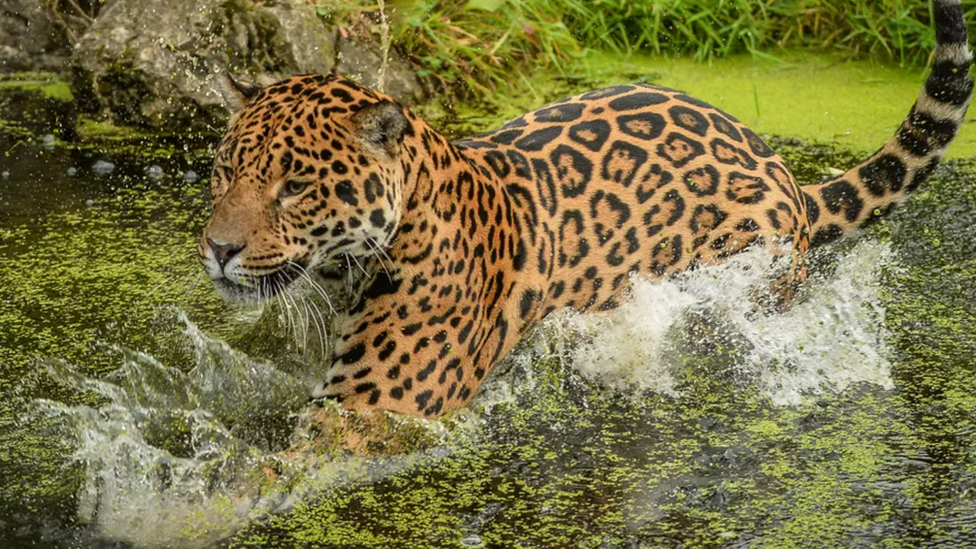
{"x":156,"y":65}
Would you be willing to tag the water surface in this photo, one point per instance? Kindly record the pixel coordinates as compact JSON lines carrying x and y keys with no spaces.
{"x":139,"y":411}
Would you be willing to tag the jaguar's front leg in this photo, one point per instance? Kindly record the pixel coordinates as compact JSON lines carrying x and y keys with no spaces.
{"x":406,"y":355}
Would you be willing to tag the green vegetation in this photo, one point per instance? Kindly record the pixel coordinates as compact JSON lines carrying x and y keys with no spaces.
{"x":102,"y":136}
{"x":893,"y":29}
{"x":475,"y":43}
{"x":90,"y":129}
{"x":857,"y":104}
{"x":483,"y":46}
{"x":49,"y":85}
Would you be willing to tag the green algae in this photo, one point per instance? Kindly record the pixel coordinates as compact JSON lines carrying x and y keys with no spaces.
{"x":47,"y":85}
{"x":569,"y":462}
{"x":36,"y":104}
{"x":814,"y":97}
{"x":90,"y":129}
{"x":139,"y":270}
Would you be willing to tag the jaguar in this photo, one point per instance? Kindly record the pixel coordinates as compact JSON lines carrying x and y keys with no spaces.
{"x":454,"y":250}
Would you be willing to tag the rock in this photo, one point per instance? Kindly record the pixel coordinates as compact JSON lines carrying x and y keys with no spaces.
{"x":361,"y":62}
{"x":156,"y":64}
{"x":29,"y":39}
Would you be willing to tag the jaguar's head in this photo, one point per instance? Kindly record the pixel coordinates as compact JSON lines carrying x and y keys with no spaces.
{"x":308,"y":175}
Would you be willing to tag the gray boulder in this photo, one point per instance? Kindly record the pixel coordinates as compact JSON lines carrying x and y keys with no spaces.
{"x":362,"y":61}
{"x":29,"y":39}
{"x":157,"y":63}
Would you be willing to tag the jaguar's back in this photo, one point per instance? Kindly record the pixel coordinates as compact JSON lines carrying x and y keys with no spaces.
{"x":639,"y":179}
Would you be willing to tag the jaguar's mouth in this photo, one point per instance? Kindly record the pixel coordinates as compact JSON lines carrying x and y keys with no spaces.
{"x":255,"y":289}
{"x":345,"y":271}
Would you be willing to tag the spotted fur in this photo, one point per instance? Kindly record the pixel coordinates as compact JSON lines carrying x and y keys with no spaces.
{"x":462,"y":247}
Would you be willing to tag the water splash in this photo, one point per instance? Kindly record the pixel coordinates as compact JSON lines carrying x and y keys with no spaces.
{"x":831,"y":337}
{"x":174,"y":458}
{"x":186,"y":457}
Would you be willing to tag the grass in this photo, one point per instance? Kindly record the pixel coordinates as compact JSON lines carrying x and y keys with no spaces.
{"x":892,"y":29}
{"x":482,"y":47}
{"x":815,"y":97}
{"x":476,"y":46}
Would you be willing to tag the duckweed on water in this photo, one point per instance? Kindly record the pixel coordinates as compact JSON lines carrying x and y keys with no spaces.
{"x":817,"y":98}
{"x":560,"y":458}
{"x":48,"y":85}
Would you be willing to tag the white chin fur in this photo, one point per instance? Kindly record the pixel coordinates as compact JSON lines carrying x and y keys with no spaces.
{"x":237,"y":294}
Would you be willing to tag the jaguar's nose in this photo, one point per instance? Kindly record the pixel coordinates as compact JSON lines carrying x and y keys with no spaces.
{"x":224,"y":252}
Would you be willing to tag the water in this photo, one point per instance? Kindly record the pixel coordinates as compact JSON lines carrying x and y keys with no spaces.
{"x":171,"y":457}
{"x":183,"y":459}
{"x":806,"y":350}
{"x":138,"y":411}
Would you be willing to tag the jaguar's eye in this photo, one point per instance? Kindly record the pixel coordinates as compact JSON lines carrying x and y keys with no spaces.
{"x":293,"y":187}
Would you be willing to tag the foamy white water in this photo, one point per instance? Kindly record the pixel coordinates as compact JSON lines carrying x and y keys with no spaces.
{"x":831,"y":337}
{"x":139,"y":493}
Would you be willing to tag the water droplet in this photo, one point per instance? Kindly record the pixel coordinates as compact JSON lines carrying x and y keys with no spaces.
{"x":103,"y":168}
{"x":472,"y":541}
{"x":72,"y":171}
{"x":48,"y":141}
{"x":89,"y":202}
{"x":5,"y":174}
{"x":190,"y":176}
{"x":155,"y":172}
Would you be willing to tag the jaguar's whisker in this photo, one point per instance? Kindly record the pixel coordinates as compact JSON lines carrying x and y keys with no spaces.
{"x":318,"y":321}
{"x":348,"y":274}
{"x":321,"y":328}
{"x":358,"y":264}
{"x":315,"y":286}
{"x":280,"y":318}
{"x":382,"y":250}
{"x":378,"y":258}
{"x":303,"y":321}
{"x":291,"y":326}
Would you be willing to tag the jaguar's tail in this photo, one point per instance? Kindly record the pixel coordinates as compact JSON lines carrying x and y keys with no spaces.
{"x":873,"y":188}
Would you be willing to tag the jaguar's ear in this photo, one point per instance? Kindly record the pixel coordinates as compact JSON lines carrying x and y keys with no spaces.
{"x":237,"y":92}
{"x":382,"y":124}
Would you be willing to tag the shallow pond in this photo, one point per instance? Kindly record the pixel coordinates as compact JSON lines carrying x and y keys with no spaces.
{"x":139,"y":411}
